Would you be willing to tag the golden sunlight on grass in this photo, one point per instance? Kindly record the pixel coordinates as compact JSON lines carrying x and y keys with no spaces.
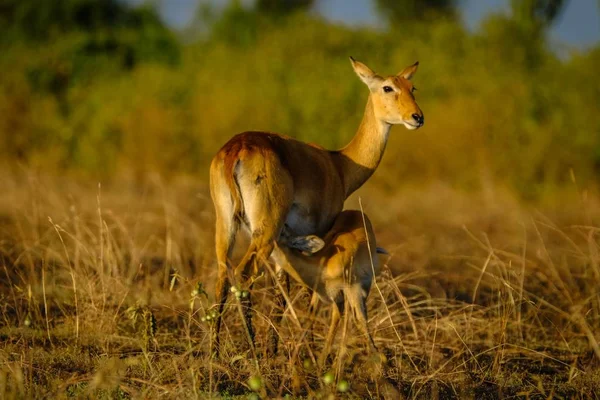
{"x":107,"y":293}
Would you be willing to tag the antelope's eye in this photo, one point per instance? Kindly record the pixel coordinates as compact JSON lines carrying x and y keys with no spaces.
{"x":388,"y":89}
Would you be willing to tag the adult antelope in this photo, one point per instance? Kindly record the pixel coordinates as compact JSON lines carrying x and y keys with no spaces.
{"x":339,"y":268}
{"x":266,"y":181}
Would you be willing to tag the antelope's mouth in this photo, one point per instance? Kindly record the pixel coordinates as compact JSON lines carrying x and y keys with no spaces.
{"x":412,"y":126}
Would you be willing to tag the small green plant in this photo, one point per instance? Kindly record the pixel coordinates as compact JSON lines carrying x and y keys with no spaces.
{"x":343,"y":386}
{"x":255,"y":383}
{"x":198,"y":291}
{"x":307,"y":364}
{"x":239,"y":294}
{"x":174,"y":277}
{"x":150,"y":325}
{"x":27,"y":322}
{"x":210,"y":316}
{"x":328,"y":378}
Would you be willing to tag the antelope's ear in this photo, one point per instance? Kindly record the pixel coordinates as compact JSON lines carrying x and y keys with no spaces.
{"x":408,"y":72}
{"x":309,"y":244}
{"x":370,"y":78}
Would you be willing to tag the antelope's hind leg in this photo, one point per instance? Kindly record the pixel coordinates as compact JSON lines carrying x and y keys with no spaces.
{"x":281,"y":281}
{"x":226,"y":227}
{"x":267,"y":193}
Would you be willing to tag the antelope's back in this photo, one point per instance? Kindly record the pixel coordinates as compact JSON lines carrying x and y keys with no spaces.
{"x":318,"y":192}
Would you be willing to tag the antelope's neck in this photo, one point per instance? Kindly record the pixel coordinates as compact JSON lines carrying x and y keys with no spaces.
{"x":359,"y":159}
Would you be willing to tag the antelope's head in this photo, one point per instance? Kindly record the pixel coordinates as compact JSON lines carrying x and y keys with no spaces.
{"x":393,"y":98}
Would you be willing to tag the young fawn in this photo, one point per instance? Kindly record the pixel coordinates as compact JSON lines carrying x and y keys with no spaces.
{"x":339,"y":268}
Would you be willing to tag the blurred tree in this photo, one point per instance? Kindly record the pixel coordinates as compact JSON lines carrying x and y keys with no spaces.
{"x":279,"y":7}
{"x":522,"y":36}
{"x":131,"y":34}
{"x":64,"y":47}
{"x":535,"y":16}
{"x":37,"y":20}
{"x":416,"y":10}
{"x":237,"y":25}
{"x":83,"y":39}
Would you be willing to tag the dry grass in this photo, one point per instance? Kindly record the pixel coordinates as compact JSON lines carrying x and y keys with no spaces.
{"x":481,"y":298}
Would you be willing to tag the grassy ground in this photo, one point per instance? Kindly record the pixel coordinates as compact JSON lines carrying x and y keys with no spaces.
{"x":102,"y":295}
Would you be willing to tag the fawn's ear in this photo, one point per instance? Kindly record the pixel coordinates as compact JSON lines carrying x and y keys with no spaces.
{"x":370,"y":78}
{"x":381,"y":250}
{"x":309,"y":244}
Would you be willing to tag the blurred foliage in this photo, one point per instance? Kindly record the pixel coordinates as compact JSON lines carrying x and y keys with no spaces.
{"x":406,"y":11}
{"x":279,"y":7}
{"x":102,"y":89}
{"x":107,"y":28}
{"x":537,"y":14}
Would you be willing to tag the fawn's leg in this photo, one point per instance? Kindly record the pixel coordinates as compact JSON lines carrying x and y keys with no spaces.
{"x":336,"y":314}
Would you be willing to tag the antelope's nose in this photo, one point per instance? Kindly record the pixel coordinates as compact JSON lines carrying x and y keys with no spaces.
{"x":419,"y":118}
